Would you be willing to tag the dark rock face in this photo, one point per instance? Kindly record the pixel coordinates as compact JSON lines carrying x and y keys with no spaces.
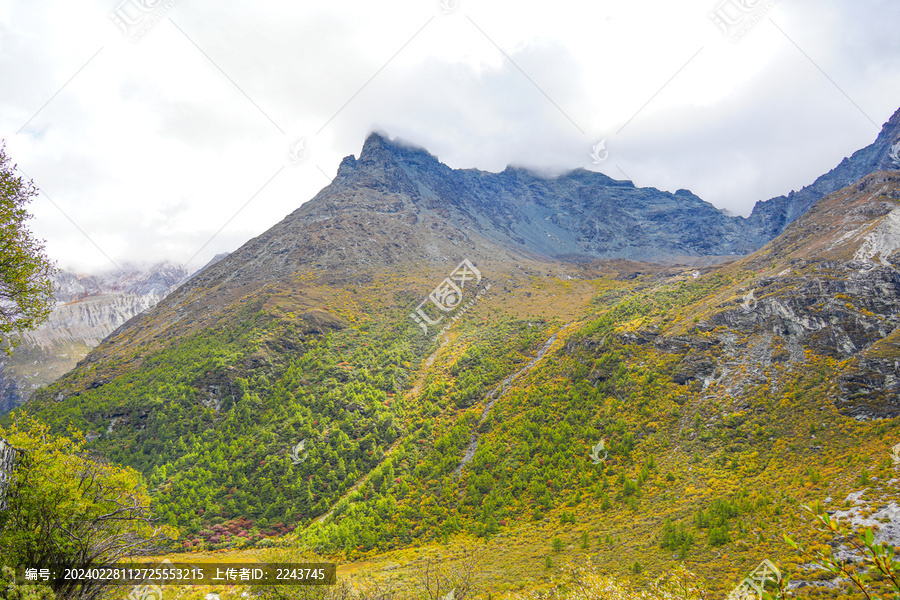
{"x":578,"y":216}
{"x":826,"y":291}
{"x":398,"y":204}
{"x":584,"y":215}
{"x":771,"y":217}
{"x":870,"y":389}
{"x":837,"y":314}
{"x":694,"y":367}
{"x":847,"y":312}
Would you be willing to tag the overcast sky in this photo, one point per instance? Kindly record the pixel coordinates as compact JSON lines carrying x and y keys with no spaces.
{"x":177,"y":129}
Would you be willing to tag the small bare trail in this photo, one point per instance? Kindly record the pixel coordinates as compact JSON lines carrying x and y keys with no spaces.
{"x":498,"y":391}
{"x":414,"y":391}
{"x":362,"y":480}
{"x":491,"y":397}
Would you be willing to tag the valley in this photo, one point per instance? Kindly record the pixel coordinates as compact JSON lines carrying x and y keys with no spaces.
{"x":286,"y":402}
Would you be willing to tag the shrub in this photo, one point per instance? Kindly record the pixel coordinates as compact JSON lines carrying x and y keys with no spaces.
{"x":11,"y":589}
{"x":719,"y":536}
{"x":676,"y":538}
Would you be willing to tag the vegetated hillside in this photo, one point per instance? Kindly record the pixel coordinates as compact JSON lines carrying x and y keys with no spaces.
{"x":397,"y":208}
{"x":721,"y":410}
{"x":87,"y":309}
{"x":706,"y":386}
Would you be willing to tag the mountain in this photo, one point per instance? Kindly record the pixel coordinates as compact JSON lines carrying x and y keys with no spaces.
{"x":156,"y":280}
{"x":579,"y":216}
{"x":769,"y":218}
{"x":828,"y":287}
{"x":398,"y":208}
{"x":419,"y":354}
{"x":87,"y":309}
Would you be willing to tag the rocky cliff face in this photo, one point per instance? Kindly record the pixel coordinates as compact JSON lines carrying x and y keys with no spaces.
{"x":88,"y":308}
{"x":90,"y":319}
{"x":367,"y":215}
{"x":157,"y":281}
{"x":827,"y":289}
{"x":398,"y":207}
{"x":771,"y":217}
{"x":581,"y":215}
{"x":397,"y":204}
{"x":578,"y":216}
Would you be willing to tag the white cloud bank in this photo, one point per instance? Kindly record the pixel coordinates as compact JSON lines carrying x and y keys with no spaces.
{"x":148,"y":148}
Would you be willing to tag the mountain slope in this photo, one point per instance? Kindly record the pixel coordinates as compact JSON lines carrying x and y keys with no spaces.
{"x":726,"y":397}
{"x":578,"y":216}
{"x":769,"y":218}
{"x":721,"y":412}
{"x":87,"y":309}
{"x":397,"y":208}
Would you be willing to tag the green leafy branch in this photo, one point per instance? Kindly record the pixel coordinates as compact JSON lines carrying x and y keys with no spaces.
{"x":879,"y":555}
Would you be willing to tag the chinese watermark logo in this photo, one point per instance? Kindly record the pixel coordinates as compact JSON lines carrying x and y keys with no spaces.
{"x":595,"y":453}
{"x":736,"y":17}
{"x":447,"y":297}
{"x":298,"y":153}
{"x":749,"y":302}
{"x":753,"y":586}
{"x":599,"y":153}
{"x":136,"y":17}
{"x":448,"y":6}
{"x":895,"y":154}
{"x":296,"y":450}
{"x":146,"y":590}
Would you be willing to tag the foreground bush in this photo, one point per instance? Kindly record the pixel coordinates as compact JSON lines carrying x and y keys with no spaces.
{"x":69,"y":511}
{"x":586,"y":583}
{"x":11,"y":589}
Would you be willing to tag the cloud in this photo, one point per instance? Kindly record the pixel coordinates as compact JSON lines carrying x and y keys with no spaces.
{"x":157,"y":144}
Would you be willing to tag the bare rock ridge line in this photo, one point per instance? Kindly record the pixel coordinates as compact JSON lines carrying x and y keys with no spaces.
{"x":397,"y":206}
{"x":397,"y":203}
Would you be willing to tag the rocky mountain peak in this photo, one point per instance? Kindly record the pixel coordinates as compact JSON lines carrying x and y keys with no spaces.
{"x":771,"y":217}
{"x":88,"y":308}
{"x":382,"y":155}
{"x":379,"y":146}
{"x":893,"y":122}
{"x":890,"y":138}
{"x":156,"y":280}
